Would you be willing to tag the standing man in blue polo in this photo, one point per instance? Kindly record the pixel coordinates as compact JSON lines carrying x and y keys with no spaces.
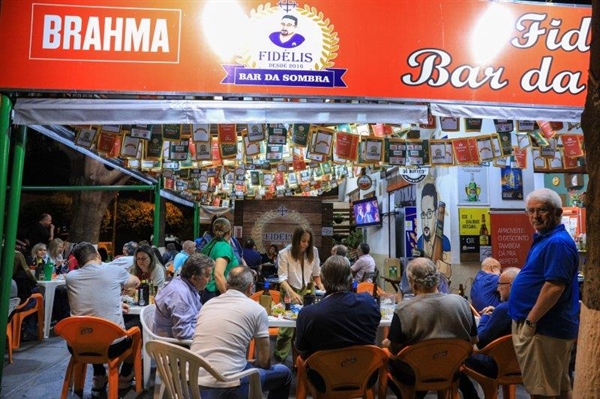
{"x":544,"y":301}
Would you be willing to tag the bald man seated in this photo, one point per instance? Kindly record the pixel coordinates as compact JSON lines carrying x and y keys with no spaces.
{"x":484,"y":290}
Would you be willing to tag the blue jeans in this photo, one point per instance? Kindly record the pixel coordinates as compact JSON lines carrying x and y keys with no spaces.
{"x":277,"y":380}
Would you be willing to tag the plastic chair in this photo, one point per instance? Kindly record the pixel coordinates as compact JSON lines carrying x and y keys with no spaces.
{"x":89,"y":339}
{"x":147,"y":320}
{"x":19,"y":316}
{"x":474,"y":311}
{"x":12,"y":305}
{"x":273,"y":331}
{"x":365,"y":286}
{"x":354,"y":371}
{"x":179,"y":367}
{"x":509,"y":372}
{"x":436,"y":364}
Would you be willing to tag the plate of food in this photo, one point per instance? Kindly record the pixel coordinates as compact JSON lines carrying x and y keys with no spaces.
{"x":290,"y":315}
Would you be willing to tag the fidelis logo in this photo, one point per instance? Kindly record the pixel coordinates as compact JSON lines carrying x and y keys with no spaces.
{"x":289,"y":45}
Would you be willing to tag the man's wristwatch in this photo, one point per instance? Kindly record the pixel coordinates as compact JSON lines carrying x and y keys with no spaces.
{"x":530,"y":323}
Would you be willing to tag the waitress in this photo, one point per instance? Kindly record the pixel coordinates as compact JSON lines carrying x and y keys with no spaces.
{"x":298,"y":265}
{"x":219,"y":250}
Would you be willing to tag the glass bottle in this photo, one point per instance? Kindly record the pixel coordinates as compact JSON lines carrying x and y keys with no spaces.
{"x":287,"y":300}
{"x":151,"y":292}
{"x":483,"y":232}
{"x":265,"y":298}
{"x":376,"y":293}
{"x":309,"y":296}
{"x":461,"y":291}
{"x":39,"y":269}
{"x":143,"y":293}
{"x":48,"y":270}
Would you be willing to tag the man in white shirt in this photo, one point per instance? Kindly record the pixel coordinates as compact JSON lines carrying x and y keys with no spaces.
{"x":364,"y":265}
{"x":95,"y":290}
{"x":225,"y":326}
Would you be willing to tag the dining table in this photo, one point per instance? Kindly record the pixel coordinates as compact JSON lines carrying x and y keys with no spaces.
{"x":134,"y":310}
{"x":48,"y":289}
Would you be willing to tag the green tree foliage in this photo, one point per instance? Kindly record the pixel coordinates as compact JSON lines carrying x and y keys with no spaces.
{"x":32,"y":206}
{"x":133,"y":216}
{"x":138,"y":216}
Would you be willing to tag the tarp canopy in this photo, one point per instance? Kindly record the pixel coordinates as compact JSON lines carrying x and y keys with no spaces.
{"x":109,"y":112}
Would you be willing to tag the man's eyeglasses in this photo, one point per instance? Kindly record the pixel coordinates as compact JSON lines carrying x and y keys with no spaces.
{"x":499,"y":284}
{"x":427,"y":214}
{"x":539,"y":211}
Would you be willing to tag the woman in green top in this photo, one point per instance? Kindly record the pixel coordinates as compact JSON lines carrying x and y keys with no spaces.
{"x":221,"y":252}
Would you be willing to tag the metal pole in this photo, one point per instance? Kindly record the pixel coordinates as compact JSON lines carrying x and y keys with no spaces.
{"x":156,"y":213}
{"x":7,"y":253}
{"x":196,"y":220}
{"x":114,"y":226}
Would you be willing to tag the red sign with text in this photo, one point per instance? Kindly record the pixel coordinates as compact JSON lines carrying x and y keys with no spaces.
{"x":512,"y":236}
{"x":461,"y":50}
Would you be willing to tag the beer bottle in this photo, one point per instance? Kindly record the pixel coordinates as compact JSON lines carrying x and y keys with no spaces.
{"x":376,"y":293}
{"x":39,"y":269}
{"x":287,"y":300}
{"x":266,"y":299}
{"x":438,"y":237}
{"x":309,"y":296}
{"x":461,"y":291}
{"x":483,"y":232}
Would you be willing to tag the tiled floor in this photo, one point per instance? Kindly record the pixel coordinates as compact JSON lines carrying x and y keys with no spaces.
{"x":38,"y":370}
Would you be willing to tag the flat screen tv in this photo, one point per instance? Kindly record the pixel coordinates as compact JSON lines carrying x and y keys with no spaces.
{"x":366,"y":212}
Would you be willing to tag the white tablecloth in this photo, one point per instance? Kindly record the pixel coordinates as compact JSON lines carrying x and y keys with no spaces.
{"x":48,"y":290}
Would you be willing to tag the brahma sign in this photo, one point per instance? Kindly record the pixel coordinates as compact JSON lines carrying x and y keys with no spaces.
{"x":437,"y":50}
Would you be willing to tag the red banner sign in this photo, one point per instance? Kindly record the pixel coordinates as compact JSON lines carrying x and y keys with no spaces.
{"x":465,"y":50}
{"x":512,"y":236}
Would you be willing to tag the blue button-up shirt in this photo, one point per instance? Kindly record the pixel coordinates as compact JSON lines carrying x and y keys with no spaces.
{"x":177,"y":308}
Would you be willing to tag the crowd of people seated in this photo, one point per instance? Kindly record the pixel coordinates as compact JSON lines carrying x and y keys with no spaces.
{"x":208,"y":300}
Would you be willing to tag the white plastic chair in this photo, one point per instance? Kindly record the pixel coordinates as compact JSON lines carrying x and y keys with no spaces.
{"x":147,"y":320}
{"x":178,"y":368}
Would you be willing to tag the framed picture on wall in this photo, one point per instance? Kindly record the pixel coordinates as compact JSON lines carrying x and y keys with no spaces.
{"x":473,"y":185}
{"x":86,"y":137}
{"x":449,"y":124}
{"x":504,"y":125}
{"x":526,"y":126}
{"x":441,"y":152}
{"x":473,"y":124}
{"x":539,"y":162}
{"x":485,"y":148}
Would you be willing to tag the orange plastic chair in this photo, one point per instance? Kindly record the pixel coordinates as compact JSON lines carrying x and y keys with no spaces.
{"x":355,"y":371}
{"x":18,"y":317}
{"x":365,"y":286}
{"x":436,"y":364}
{"x":509,"y":372}
{"x":12,"y":305}
{"x":273,"y":331}
{"x":89,"y":339}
